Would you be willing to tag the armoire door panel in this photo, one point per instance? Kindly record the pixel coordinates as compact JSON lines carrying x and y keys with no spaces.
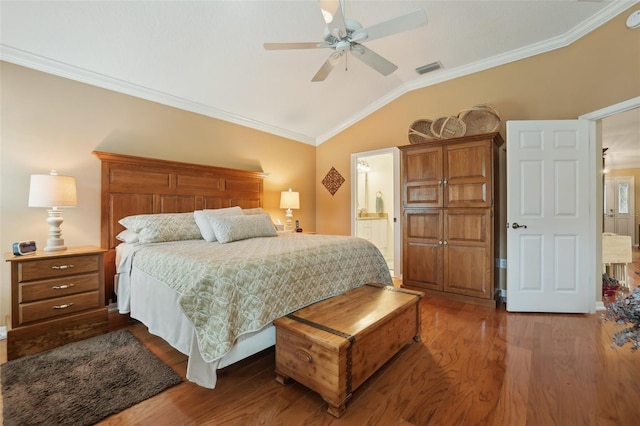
{"x":468,"y":174}
{"x":468,"y":271}
{"x":424,"y":225}
{"x":422,"y":178}
{"x":470,"y":160}
{"x":466,"y":194}
{"x":467,"y":226}
{"x":423,"y":194}
{"x":424,"y":165}
{"x":423,"y":266}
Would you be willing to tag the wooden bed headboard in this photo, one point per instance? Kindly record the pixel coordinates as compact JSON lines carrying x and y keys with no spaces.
{"x":136,"y":185}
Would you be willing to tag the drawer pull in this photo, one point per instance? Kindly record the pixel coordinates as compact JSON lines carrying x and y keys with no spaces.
{"x":65,"y":306}
{"x":62,"y":287}
{"x":62,"y":267}
{"x":303,"y":356}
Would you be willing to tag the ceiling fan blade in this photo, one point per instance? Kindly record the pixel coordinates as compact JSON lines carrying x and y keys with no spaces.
{"x":374,"y":60}
{"x":288,"y":46}
{"x":393,"y":26}
{"x":326,"y":68}
{"x":333,"y":16}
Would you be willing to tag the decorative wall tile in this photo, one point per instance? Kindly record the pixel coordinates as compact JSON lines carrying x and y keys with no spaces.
{"x":333,"y":181}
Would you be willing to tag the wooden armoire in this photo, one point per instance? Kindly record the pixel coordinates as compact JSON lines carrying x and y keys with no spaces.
{"x":449,"y":228}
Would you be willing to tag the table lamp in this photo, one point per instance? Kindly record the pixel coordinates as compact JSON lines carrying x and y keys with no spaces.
{"x":289,"y":200}
{"x":53,"y":191}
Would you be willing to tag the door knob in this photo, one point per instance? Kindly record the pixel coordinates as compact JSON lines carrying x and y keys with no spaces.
{"x":516,"y":226}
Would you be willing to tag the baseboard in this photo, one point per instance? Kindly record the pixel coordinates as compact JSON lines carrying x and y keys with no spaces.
{"x":502,"y":293}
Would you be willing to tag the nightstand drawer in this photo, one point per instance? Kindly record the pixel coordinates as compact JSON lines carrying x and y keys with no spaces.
{"x":52,"y":308}
{"x":57,"y":267}
{"x":58,"y":287}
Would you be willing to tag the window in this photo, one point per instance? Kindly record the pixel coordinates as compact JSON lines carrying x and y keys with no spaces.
{"x":623,"y":198}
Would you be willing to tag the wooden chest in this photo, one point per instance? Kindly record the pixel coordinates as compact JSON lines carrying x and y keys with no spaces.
{"x":333,"y":346}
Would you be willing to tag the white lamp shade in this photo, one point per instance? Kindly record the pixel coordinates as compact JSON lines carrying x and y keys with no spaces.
{"x":52,"y":191}
{"x":290,"y":200}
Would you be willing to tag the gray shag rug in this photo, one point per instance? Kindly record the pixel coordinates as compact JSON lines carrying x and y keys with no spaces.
{"x":83,"y":382}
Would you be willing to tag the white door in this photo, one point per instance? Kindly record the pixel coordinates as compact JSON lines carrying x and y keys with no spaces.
{"x":609,"y":192}
{"x":548,"y":199}
{"x":619,"y":206}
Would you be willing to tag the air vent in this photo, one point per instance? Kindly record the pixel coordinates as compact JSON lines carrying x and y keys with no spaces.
{"x":429,"y":68}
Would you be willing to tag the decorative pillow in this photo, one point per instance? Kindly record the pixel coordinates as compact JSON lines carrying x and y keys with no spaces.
{"x":202,"y":219}
{"x":235,"y":228}
{"x":257,"y":210}
{"x":127,"y":236}
{"x":157,"y":228}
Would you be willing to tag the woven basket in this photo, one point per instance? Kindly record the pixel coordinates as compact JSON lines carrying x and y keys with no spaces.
{"x":480,"y":119}
{"x":448,"y":127}
{"x":420,"y":131}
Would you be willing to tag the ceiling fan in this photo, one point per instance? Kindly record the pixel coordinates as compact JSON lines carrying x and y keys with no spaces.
{"x":344,"y":35}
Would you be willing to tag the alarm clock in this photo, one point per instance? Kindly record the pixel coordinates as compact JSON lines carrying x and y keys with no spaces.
{"x":24,"y":247}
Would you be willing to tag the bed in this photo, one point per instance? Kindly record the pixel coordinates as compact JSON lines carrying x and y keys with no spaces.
{"x":214,"y":300}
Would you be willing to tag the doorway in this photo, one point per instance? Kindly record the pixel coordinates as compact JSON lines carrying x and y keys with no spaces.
{"x":594,"y":183}
{"x":375,"y":202}
{"x":597,"y":204}
{"x":619,"y":206}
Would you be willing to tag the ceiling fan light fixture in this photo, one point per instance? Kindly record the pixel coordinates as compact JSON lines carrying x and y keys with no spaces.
{"x":328,"y":16}
{"x":343,"y":45}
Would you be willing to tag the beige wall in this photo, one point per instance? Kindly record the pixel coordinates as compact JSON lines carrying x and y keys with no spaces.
{"x":596,"y":71}
{"x":636,"y":174}
{"x":50,"y":122}
{"x":599,"y":70}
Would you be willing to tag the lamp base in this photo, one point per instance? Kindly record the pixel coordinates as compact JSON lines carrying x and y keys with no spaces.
{"x":50,"y":247}
{"x":288,"y":224}
{"x":55,"y":241}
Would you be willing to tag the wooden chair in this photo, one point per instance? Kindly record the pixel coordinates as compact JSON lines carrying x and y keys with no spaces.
{"x":616,"y":254}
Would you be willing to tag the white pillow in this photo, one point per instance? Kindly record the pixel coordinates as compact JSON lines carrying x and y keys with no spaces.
{"x":235,"y":228}
{"x":257,"y":210}
{"x":157,"y":228}
{"x":127,"y":236}
{"x":202,"y":220}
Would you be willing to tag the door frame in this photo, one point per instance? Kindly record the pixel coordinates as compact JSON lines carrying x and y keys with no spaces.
{"x":597,"y":206}
{"x":615,"y":182}
{"x":397,"y":237}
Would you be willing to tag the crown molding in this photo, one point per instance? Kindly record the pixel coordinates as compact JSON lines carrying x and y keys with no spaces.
{"x":605,"y":15}
{"x":51,"y":66}
{"x":61,"y":69}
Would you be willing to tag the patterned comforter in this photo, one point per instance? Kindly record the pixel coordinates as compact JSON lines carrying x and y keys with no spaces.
{"x":227,"y":290}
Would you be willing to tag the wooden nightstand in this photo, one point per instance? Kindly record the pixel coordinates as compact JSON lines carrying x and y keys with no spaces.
{"x":56,"y":298}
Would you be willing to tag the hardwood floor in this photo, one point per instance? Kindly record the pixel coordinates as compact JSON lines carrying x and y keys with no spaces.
{"x":474,"y":366}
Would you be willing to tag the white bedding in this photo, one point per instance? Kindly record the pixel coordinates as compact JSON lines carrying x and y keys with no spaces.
{"x":156,"y":304}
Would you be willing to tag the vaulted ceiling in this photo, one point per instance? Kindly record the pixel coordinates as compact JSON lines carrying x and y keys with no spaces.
{"x":208,"y":56}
